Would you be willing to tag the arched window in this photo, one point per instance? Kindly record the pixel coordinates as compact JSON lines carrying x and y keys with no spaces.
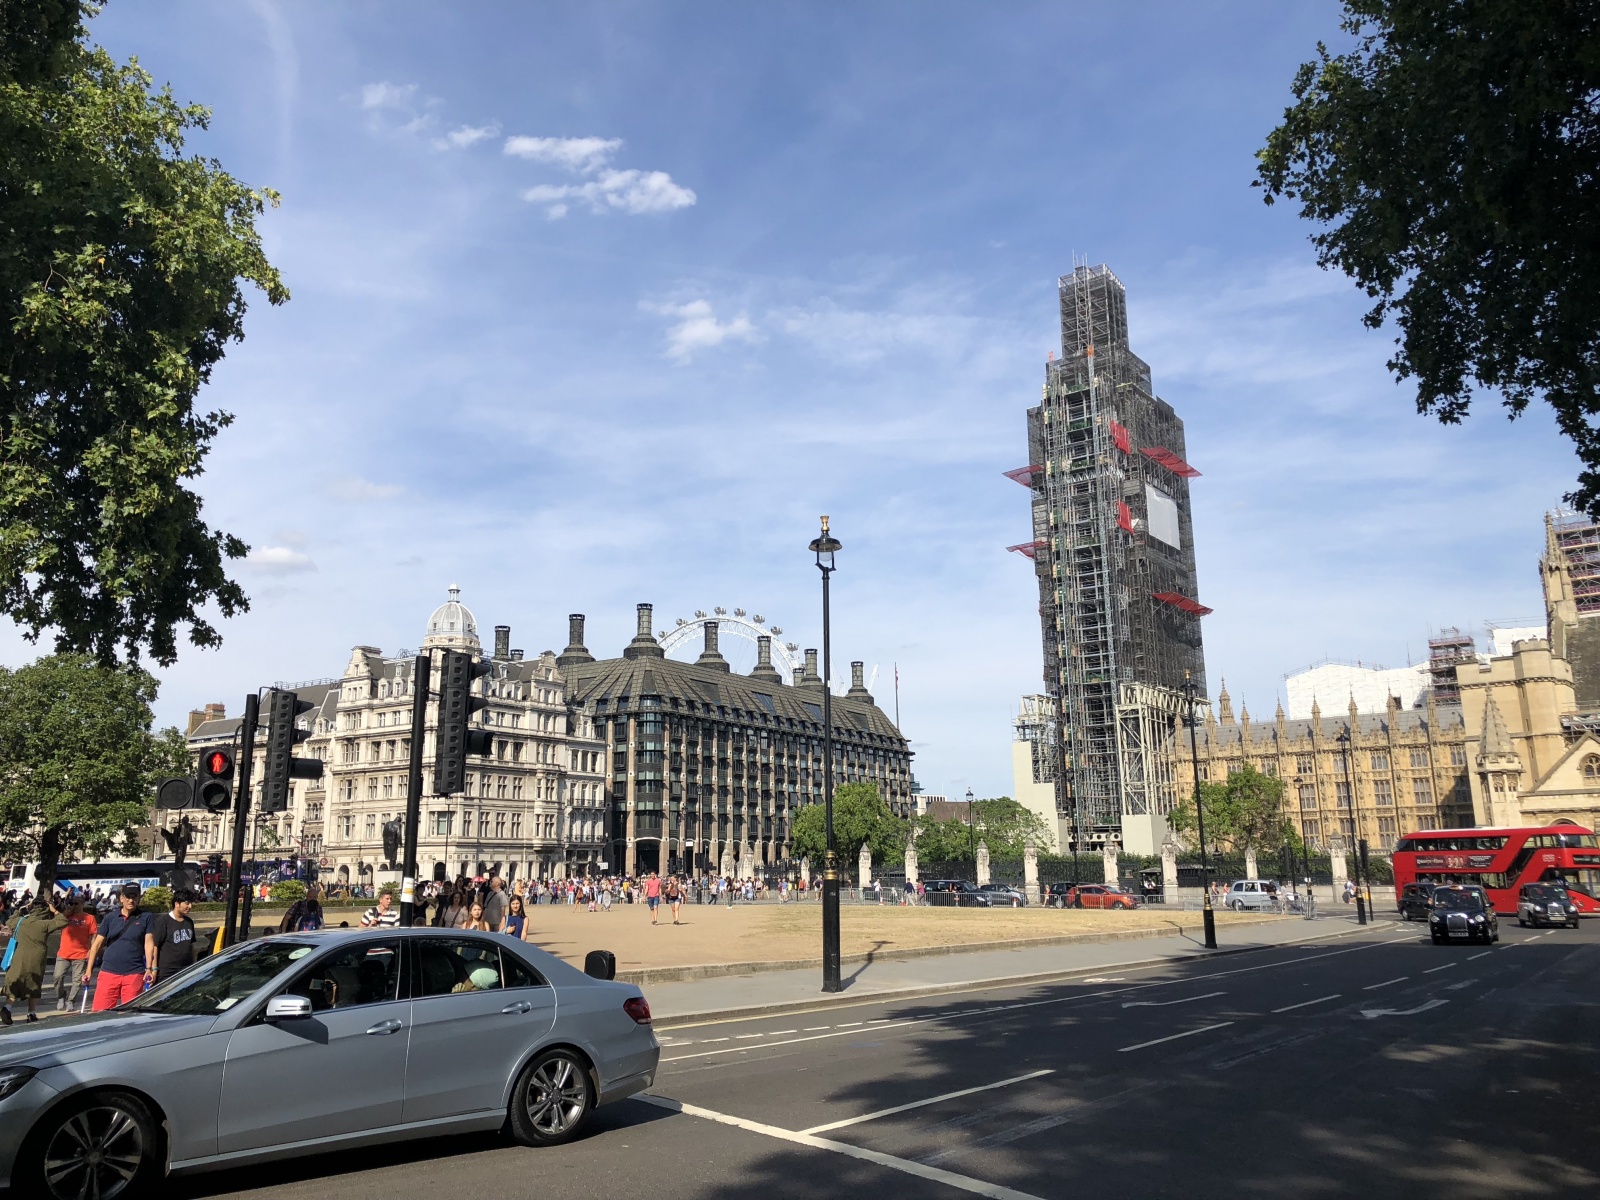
{"x":1591,"y":767}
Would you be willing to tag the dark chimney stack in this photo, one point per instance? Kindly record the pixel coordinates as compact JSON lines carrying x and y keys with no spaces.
{"x":765,"y":671}
{"x":516,"y":656}
{"x":502,"y":642}
{"x":576,"y":652}
{"x":644,"y":644}
{"x":858,"y":687}
{"x":711,"y":656}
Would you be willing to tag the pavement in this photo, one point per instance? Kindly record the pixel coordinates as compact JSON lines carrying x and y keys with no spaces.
{"x":1363,"y":1062}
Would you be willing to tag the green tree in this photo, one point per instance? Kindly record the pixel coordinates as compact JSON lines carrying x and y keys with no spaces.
{"x":1243,"y":813}
{"x":1006,"y":825}
{"x":949,"y":840}
{"x":1450,"y":158}
{"x":860,"y":817}
{"x":121,"y":261}
{"x":78,"y":761}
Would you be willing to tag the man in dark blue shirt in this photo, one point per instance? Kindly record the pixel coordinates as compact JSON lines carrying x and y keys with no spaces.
{"x":129,"y":960}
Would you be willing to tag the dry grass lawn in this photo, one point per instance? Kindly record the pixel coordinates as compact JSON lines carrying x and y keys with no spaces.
{"x":775,"y":932}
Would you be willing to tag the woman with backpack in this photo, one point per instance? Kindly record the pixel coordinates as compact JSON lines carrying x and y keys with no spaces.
{"x":303,"y":916}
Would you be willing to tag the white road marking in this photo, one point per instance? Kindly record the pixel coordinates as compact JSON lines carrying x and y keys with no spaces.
{"x":1168,"y":1003}
{"x":1456,"y":987}
{"x":900,"y":1108}
{"x":708,"y":1041}
{"x":1307,"y":1003}
{"x":781,"y":1032}
{"x":849,"y":1024}
{"x":815,"y":1037}
{"x":1176,"y":1036}
{"x":1100,"y":979}
{"x":1372,"y":987}
{"x":1373,"y":1013}
{"x":814,"y":1028}
{"x":746,"y":1036}
{"x":949,"y":1178}
{"x":1446,"y":967}
{"x":1483,"y":954}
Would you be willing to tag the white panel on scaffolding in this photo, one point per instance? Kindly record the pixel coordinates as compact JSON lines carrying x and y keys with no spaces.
{"x":1162,"y":514}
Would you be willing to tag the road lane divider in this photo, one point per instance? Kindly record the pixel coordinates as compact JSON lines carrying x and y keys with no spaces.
{"x":1307,"y":1003}
{"x":1445,"y":967}
{"x":1373,"y":1014}
{"x":1174,"y":1037}
{"x":1372,"y":987}
{"x":965,"y":1183}
{"x":900,"y":1108}
{"x":1169,"y":1003}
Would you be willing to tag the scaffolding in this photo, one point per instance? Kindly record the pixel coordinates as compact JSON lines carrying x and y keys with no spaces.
{"x":1445,"y":653}
{"x":1113,"y":550}
{"x":1578,"y":539}
{"x":1036,"y":725}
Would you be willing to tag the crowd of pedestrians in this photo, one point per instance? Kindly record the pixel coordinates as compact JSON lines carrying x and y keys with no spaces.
{"x":111,"y":948}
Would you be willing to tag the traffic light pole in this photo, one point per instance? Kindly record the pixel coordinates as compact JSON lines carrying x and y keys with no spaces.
{"x":241,"y":812}
{"x":419,"y":723}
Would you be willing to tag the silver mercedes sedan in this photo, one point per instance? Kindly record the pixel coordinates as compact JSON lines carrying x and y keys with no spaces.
{"x":304,"y":1043}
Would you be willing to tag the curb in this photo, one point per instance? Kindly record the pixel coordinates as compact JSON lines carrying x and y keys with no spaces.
{"x":846,"y":1000}
{"x":647,"y":976}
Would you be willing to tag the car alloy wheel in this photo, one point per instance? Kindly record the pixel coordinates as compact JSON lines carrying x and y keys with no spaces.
{"x":101,"y":1148}
{"x":552,"y":1099}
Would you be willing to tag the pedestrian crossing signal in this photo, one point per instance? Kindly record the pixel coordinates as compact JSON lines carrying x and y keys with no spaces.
{"x":214,"y":786}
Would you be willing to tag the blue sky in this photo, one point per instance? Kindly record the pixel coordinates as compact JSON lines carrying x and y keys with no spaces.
{"x":603,"y":303}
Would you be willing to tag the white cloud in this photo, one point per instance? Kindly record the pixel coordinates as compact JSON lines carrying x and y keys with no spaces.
{"x":581,"y":154}
{"x":697,"y":328}
{"x":355,"y":488}
{"x":279,"y":560}
{"x":631,"y":192}
{"x":387,"y":95}
{"x":467,"y":135}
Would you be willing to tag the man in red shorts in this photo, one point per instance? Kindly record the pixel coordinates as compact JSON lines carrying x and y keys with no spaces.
{"x":128,"y":961}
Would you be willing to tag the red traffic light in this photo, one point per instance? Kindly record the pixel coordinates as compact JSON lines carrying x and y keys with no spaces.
{"x":218,"y":762}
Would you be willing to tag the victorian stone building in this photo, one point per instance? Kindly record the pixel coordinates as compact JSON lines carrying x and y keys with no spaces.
{"x":535,"y":807}
{"x":1499,"y":740}
{"x":629,"y":764}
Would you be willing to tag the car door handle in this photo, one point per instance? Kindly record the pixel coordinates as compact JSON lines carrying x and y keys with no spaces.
{"x":521,"y":1006}
{"x":390,"y":1026}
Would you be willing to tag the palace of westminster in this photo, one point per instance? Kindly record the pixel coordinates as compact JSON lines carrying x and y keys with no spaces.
{"x":629,"y":764}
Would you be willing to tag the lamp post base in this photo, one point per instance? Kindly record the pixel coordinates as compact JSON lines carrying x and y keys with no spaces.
{"x":830,"y":932}
{"x":1210,"y":919}
{"x":1361,"y":908}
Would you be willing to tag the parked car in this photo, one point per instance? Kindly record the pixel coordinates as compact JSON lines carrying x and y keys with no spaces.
{"x":1003,"y":894}
{"x":1255,"y":894}
{"x":331,"y":1040}
{"x":956,"y":893}
{"x":1462,"y":913}
{"x":1415,"y":900}
{"x":1094,"y":895}
{"x":1546,"y":904}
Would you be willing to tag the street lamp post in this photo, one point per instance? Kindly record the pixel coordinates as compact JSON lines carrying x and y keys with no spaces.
{"x":972,"y":835}
{"x":1359,"y":847}
{"x":825,"y":546}
{"x":1209,"y":917}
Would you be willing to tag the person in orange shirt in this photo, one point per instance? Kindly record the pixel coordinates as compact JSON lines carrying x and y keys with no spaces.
{"x":73,"y":956}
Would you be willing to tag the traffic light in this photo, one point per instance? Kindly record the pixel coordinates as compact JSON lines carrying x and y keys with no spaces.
{"x":213,"y":789}
{"x":283,"y":708}
{"x":456,"y":706}
{"x":175,"y":793}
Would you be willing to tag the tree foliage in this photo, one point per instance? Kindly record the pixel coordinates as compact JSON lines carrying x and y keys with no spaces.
{"x":121,"y":261}
{"x":1003,"y":824}
{"x":78,"y":761}
{"x":1452,"y":158}
{"x":1243,"y":813}
{"x":860,"y":817}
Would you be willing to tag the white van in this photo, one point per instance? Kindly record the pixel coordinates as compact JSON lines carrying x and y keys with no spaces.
{"x":1251,"y":894}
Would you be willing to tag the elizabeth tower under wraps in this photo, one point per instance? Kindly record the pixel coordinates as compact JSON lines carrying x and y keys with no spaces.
{"x":1113,"y":548}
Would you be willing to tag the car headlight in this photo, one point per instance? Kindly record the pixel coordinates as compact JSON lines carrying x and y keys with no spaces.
{"x":1476,"y":918}
{"x":12,"y":1079}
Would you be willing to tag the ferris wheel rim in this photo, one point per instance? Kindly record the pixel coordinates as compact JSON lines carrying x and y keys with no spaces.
{"x":787,"y":661}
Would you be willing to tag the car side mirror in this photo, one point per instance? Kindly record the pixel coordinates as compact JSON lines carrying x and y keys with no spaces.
{"x":287,"y":1008}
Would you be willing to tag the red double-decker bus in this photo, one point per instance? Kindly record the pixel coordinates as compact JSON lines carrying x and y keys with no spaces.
{"x":1502,"y":860}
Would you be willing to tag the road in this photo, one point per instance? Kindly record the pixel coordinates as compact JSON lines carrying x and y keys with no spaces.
{"x":1375,"y":1065}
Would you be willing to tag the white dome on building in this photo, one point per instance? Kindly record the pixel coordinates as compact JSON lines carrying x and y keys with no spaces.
{"x":452,"y":626}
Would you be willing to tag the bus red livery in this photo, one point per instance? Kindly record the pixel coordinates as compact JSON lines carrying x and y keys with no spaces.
{"x":1502,"y":860}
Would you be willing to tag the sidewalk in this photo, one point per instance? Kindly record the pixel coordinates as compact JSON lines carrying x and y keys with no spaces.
{"x":773,"y":992}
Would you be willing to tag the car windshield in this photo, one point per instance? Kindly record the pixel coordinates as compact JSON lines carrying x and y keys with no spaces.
{"x":1544,"y":892}
{"x":216,"y":984}
{"x":1459,"y":901}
